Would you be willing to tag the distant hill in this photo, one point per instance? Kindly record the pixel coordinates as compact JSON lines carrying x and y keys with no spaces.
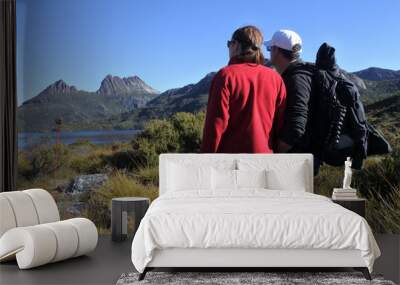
{"x":378,"y":74}
{"x":189,"y":98}
{"x":380,"y":83}
{"x":385,"y":114}
{"x":80,"y":109}
{"x":378,"y":90}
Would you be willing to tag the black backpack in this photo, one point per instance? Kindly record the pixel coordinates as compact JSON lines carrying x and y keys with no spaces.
{"x":339,"y":125}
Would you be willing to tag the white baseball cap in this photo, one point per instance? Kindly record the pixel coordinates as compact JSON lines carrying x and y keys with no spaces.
{"x":284,"y":39}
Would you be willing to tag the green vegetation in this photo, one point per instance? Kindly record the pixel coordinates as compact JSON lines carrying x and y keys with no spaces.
{"x":181,"y":133}
{"x":378,"y":182}
{"x":132,"y":169}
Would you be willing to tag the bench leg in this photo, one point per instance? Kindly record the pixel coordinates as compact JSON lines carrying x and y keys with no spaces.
{"x":364,"y":271}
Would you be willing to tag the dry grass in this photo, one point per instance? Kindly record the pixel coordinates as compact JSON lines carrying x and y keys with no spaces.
{"x":120,"y":184}
{"x":383,"y":214}
{"x":378,"y":182}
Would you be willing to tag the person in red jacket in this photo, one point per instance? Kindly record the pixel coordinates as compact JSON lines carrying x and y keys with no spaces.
{"x":246,"y":100}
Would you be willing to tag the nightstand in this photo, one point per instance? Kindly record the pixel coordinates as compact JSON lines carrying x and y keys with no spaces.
{"x":357,"y":205}
{"x":120,"y":208}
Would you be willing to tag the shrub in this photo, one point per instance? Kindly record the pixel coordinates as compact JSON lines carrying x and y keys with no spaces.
{"x":380,"y":177}
{"x":180,"y":133}
{"x":190,"y":129}
{"x":147,"y":175}
{"x":87,"y":164}
{"x":328,"y":178}
{"x":47,"y":159}
{"x":119,"y":185}
{"x":24,"y":166}
{"x":158,"y":136}
{"x":124,"y":159}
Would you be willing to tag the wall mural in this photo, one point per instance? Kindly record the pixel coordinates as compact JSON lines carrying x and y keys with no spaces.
{"x":91,"y":125}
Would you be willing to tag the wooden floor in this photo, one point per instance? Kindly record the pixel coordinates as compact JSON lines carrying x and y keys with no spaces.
{"x":103,"y":266}
{"x":111,"y":259}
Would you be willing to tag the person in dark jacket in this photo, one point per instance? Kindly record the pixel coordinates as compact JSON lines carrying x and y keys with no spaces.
{"x":285,"y":47}
{"x":246,"y":100}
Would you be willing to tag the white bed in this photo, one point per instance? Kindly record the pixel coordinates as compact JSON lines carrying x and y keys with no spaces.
{"x":279,"y":224}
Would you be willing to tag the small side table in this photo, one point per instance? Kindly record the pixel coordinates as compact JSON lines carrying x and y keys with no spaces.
{"x":120,"y":208}
{"x":357,"y":205}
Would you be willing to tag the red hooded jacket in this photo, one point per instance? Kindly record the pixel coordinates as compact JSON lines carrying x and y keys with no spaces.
{"x":245,"y":109}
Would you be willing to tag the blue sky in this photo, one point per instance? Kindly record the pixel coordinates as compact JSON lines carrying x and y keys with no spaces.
{"x":171,"y":43}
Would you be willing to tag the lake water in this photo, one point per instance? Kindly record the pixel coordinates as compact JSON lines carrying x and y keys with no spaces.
{"x":31,"y":139}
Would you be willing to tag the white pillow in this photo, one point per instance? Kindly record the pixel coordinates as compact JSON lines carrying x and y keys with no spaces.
{"x":291,"y":178}
{"x":224,"y":179}
{"x":251,"y":178}
{"x":282,"y":174}
{"x":186,"y":178}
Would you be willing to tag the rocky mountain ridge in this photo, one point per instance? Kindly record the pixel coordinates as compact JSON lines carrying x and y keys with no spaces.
{"x":128,"y":102}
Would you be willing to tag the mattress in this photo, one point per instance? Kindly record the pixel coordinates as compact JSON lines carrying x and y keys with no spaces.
{"x":250,"y":218}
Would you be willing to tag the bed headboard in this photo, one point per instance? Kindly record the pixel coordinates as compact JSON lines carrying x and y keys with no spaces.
{"x":231,"y":159}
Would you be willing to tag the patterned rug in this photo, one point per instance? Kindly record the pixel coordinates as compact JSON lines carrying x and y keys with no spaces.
{"x":243,"y":278}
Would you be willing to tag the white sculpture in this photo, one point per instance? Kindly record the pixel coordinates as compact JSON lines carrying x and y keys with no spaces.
{"x":347,"y":174}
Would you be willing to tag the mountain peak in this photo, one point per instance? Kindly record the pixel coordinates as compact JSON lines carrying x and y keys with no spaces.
{"x":60,"y":87}
{"x":60,"y":82}
{"x":134,"y":77}
{"x":115,"y":85}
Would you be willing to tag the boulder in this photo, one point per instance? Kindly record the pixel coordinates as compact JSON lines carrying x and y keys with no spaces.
{"x":84,"y":183}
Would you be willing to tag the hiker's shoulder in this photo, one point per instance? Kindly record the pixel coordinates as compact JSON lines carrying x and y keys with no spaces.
{"x":223,"y":72}
{"x":244,"y":69}
{"x":299,"y":71}
{"x":269,"y":70}
{"x":302,"y":67}
{"x":299,"y":74}
{"x":229,"y":70}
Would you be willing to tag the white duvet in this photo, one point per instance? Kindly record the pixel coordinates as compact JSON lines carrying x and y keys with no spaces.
{"x":252,"y":218}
